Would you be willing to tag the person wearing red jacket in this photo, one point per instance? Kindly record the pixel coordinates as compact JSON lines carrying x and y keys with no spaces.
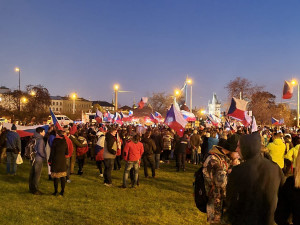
{"x":132,"y":154}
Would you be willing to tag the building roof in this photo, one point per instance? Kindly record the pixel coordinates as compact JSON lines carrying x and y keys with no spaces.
{"x":214,"y":100}
{"x":103,"y":103}
{"x":125,"y":108}
{"x":66,"y":98}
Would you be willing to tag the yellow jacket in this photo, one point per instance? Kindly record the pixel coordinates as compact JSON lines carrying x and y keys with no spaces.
{"x":292,"y":155}
{"x":277,"y":150}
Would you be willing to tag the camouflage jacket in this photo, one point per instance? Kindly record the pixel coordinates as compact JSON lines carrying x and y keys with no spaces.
{"x":215,"y":171}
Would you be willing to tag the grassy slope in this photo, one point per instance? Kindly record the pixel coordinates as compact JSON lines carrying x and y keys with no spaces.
{"x":165,"y":200}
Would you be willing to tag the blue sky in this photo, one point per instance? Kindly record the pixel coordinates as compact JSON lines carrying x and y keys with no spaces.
{"x":148,"y":45}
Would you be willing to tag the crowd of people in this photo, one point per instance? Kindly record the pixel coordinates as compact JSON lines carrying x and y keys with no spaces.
{"x":244,"y":173}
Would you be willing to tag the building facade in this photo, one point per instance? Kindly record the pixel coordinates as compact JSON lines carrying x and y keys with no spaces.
{"x":214,"y":106}
{"x":64,"y":105}
{"x":105,"y":105}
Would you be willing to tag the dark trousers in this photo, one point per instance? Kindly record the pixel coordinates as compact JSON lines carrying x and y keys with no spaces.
{"x":166,"y":154}
{"x":181,"y":161}
{"x":108,"y":166}
{"x":99,"y":165}
{"x":80,"y":160}
{"x":149,"y":161}
{"x":35,"y":175}
{"x":68,"y":163}
{"x":117,"y":163}
{"x":62,"y":182}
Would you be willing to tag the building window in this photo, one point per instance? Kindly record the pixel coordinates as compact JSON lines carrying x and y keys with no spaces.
{"x":56,"y":103}
{"x":56,"y":109}
{"x":60,"y":103}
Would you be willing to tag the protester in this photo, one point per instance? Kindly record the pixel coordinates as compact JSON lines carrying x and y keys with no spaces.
{"x":3,"y":144}
{"x":148,"y":156}
{"x":289,"y":199}
{"x":109,"y":154}
{"x":57,"y":160}
{"x":277,"y":150}
{"x":215,"y":170}
{"x":167,"y":145}
{"x":181,"y":147}
{"x":159,"y":146}
{"x":99,"y":148}
{"x":253,"y":185}
{"x":13,"y":148}
{"x":36,"y":168}
{"x":81,"y":151}
{"x":195,"y":141}
{"x":132,"y":154}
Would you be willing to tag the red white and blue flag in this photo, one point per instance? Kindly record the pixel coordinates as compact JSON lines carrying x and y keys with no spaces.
{"x":237,"y":109}
{"x":214,"y":120}
{"x":154,"y":118}
{"x":117,"y":118}
{"x":98,"y":116}
{"x":54,"y":120}
{"x":274,"y":121}
{"x":175,"y":120}
{"x":157,"y":115}
{"x":188,"y":116}
{"x":287,"y":90}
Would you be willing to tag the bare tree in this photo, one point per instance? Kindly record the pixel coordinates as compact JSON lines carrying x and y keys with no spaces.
{"x":160,"y":102}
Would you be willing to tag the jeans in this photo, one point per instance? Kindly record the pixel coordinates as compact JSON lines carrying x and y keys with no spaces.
{"x":108,"y":166}
{"x":128,"y":166}
{"x":194,"y":155}
{"x":35,"y":175}
{"x":157,"y":159}
{"x":181,"y":161}
{"x":149,"y":160}
{"x":11,"y":166}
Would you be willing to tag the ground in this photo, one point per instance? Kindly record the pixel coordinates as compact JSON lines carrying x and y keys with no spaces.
{"x":167,"y":199}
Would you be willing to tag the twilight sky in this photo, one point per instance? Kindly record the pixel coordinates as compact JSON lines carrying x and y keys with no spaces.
{"x":148,"y":45}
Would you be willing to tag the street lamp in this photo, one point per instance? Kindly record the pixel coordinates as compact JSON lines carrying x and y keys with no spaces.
{"x":17,"y":69}
{"x":74,"y":96}
{"x":116,"y":89}
{"x":32,"y":93}
{"x":294,"y":83}
{"x":189,"y":82}
{"x":177,"y":93}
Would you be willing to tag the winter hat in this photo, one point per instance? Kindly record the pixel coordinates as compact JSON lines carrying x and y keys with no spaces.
{"x":231,"y":143}
{"x":13,"y":127}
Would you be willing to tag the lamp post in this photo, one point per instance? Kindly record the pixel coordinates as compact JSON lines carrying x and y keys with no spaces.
{"x":294,"y":83}
{"x":17,"y":69}
{"x":189,"y":81}
{"x":116,"y":89}
{"x":73,"y":96}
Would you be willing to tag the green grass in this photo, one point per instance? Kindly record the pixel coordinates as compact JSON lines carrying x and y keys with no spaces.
{"x":168,"y":199}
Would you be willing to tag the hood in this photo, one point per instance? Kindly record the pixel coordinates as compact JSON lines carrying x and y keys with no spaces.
{"x":250,"y":145}
{"x":278,"y":141}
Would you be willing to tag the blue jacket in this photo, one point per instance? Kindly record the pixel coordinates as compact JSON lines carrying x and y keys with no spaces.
{"x":40,"y":147}
{"x":13,"y":140}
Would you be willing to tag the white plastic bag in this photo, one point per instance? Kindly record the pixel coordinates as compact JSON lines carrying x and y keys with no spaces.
{"x":19,"y":159}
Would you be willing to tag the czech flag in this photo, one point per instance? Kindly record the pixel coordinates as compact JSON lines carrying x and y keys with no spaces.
{"x":117,"y":118}
{"x":157,"y":115}
{"x":274,"y":121}
{"x":287,"y":90}
{"x":237,"y":108}
{"x":54,"y":120}
{"x":98,"y":116}
{"x":188,"y":116}
{"x":175,"y":120}
{"x":143,"y":101}
{"x":247,"y":120}
{"x":153,"y":118}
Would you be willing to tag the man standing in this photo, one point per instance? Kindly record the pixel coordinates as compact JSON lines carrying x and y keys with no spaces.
{"x":13,"y":148}
{"x":109,"y":155}
{"x":195,"y":144}
{"x":36,"y":169}
{"x":253,"y":185}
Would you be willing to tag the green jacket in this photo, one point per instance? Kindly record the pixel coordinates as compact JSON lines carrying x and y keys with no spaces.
{"x":277,"y":151}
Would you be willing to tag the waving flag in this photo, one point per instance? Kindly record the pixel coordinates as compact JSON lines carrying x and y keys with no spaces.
{"x":254,"y":125}
{"x":54,"y":120}
{"x":25,"y":131}
{"x":274,"y":121}
{"x":117,"y":118}
{"x":214,"y":120}
{"x":157,"y":115}
{"x":143,"y":101}
{"x":153,"y":118}
{"x":281,"y":121}
{"x":130,"y":113}
{"x":98,"y":116}
{"x":237,"y":108}
{"x":188,"y":116}
{"x":287,"y":90}
{"x":175,"y":120}
{"x":247,"y":120}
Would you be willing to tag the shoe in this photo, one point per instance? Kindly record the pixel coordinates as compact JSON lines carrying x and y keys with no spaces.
{"x":101,"y":175}
{"x":54,"y":194}
{"x":123,"y":186}
{"x":69,"y":181}
{"x":38,"y":193}
{"x":108,"y":185}
{"x":61,"y":193}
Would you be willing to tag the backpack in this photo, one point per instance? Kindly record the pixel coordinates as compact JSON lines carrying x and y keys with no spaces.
{"x":200,"y":195}
{"x":30,"y":151}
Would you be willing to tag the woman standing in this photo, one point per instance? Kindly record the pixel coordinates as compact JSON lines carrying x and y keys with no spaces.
{"x":59,"y":150}
{"x":289,"y":199}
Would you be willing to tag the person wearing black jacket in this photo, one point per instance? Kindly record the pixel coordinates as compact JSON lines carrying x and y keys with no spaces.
{"x":109,"y":155}
{"x":148,"y":156}
{"x":289,"y":199}
{"x":181,"y":147}
{"x":157,"y":138}
{"x":251,"y":193}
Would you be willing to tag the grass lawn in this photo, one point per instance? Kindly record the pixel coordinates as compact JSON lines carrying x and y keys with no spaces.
{"x":167,"y":199}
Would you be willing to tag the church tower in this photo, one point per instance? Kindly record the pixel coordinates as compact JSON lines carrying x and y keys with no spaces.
{"x":214,"y":106}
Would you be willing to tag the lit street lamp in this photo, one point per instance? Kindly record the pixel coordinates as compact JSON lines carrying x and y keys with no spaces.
{"x":294,"y":83}
{"x":116,"y":88}
{"x":73,"y":96}
{"x":32,"y":93}
{"x":177,"y":93}
{"x":17,"y":69}
{"x":189,"y":82}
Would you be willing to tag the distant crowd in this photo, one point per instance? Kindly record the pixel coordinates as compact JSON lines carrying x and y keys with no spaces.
{"x":244,"y":174}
